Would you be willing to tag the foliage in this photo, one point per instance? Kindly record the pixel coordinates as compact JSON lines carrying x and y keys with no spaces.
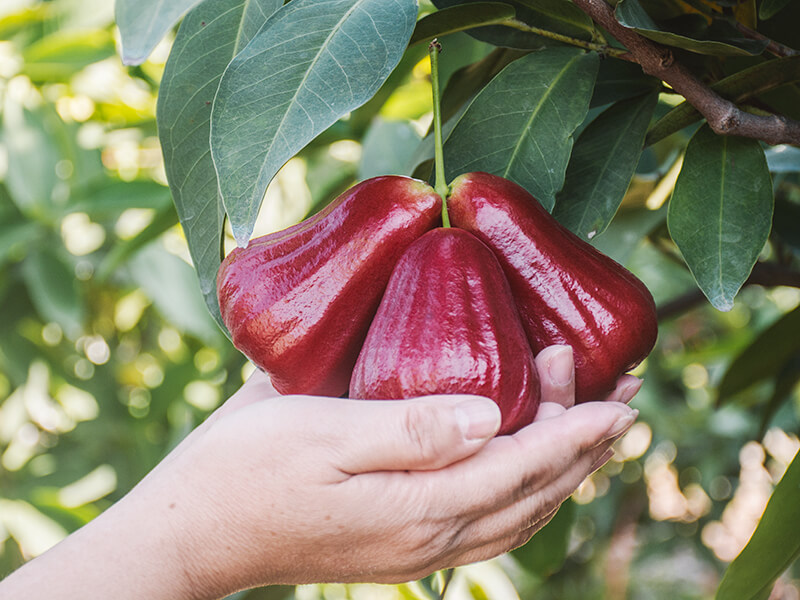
{"x":108,"y":355}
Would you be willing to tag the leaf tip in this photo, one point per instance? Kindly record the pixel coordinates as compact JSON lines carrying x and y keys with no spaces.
{"x":722,"y":303}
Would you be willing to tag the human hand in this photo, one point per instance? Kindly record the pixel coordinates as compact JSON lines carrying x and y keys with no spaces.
{"x":301,"y":489}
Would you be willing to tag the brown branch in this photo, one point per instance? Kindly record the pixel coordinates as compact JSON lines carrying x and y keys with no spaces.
{"x":765,"y":274}
{"x":722,"y":115}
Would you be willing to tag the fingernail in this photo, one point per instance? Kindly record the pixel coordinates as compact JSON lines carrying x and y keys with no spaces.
{"x":607,"y":456}
{"x":560,"y":367}
{"x":478,"y":418}
{"x":629,"y":390}
{"x":621,"y":425}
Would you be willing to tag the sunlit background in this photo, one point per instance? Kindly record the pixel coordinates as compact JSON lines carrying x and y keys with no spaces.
{"x":108,"y":357}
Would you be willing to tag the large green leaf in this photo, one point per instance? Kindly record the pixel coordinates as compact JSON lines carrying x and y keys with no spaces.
{"x":720,"y":213}
{"x":689,"y":32}
{"x":520,"y":125}
{"x":764,"y":357}
{"x":774,"y":546}
{"x":312,"y":63}
{"x":208,"y":39}
{"x":54,"y":291}
{"x":601,"y":167}
{"x":469,"y":80}
{"x":459,"y":18}
{"x":142,"y":24}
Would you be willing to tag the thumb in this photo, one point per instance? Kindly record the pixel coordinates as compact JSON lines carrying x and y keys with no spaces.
{"x":424,"y":433}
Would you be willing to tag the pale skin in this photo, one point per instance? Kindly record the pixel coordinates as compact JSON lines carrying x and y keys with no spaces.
{"x":298,"y":489}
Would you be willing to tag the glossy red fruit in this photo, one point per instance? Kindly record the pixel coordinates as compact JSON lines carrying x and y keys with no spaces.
{"x":299,"y":302}
{"x":447,"y":324}
{"x":566,"y":291}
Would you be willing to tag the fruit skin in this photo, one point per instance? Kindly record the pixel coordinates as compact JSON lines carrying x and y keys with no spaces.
{"x":299,"y":302}
{"x":566,"y":291}
{"x":447,"y":324}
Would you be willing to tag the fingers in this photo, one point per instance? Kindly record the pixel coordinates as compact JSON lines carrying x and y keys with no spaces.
{"x":557,"y":375}
{"x":416,"y":434}
{"x":528,"y":510}
{"x":548,"y":410}
{"x":513,"y":467}
{"x":627,"y":387}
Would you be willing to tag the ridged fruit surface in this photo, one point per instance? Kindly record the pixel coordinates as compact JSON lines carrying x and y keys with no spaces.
{"x":447,"y":324}
{"x":566,"y":291}
{"x":299,"y":302}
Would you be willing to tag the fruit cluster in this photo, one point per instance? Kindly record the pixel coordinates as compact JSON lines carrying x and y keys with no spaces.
{"x":371,"y":297}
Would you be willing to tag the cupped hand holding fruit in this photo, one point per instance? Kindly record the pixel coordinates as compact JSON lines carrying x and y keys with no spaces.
{"x":299,"y":489}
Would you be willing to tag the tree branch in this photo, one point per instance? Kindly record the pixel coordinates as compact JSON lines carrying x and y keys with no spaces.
{"x":766,"y":274}
{"x":722,"y":115}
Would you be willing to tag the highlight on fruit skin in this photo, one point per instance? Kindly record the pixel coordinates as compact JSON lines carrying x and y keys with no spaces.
{"x":567,"y":292}
{"x":299,"y":302}
{"x":448,"y":324}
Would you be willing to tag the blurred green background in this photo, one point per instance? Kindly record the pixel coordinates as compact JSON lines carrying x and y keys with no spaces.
{"x":108,"y":356}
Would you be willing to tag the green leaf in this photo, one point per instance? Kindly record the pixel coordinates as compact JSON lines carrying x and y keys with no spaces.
{"x":312,"y":63}
{"x":769,"y":8}
{"x":113,"y":197}
{"x":764,"y":357}
{"x":208,"y":39}
{"x":774,"y":546}
{"x":13,"y":23}
{"x":720,"y":213}
{"x":15,"y":237}
{"x":688,"y":31}
{"x":628,"y":228}
{"x":32,"y":158}
{"x":785,"y":382}
{"x":520,"y":125}
{"x":172,"y":286}
{"x":54,"y":290}
{"x":546,"y":551}
{"x":123,"y":250}
{"x":60,"y":55}
{"x":619,"y":80}
{"x":142,"y":24}
{"x":738,"y":87}
{"x":459,"y":18}
{"x":469,"y":80}
{"x":602,"y":164}
{"x":387,"y":148}
{"x":558,"y":16}
{"x":783,"y":159}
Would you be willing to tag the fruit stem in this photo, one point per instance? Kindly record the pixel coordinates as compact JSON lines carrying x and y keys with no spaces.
{"x":440,"y":184}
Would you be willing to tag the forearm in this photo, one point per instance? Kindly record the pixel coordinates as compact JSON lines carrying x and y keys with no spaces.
{"x":129,"y":551}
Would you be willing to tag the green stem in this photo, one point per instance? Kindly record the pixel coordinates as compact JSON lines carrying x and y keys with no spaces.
{"x":601,"y":48}
{"x":441,"y":181}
